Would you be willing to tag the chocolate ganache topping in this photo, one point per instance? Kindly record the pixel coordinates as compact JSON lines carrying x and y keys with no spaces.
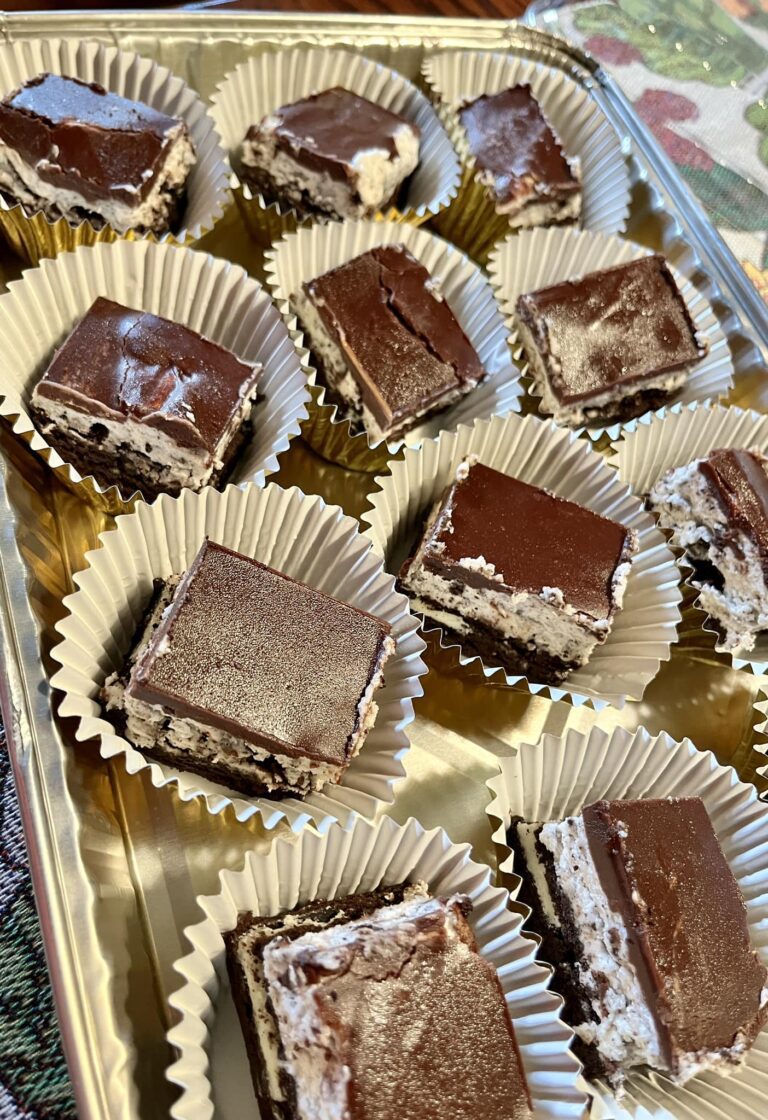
{"x":82,"y":138}
{"x":739,"y":482}
{"x":615,"y":327}
{"x":119,"y":363}
{"x":662,"y":868}
{"x":400,"y":336}
{"x":509,"y":137}
{"x":268,"y":659}
{"x":328,"y":131}
{"x":531,"y":538}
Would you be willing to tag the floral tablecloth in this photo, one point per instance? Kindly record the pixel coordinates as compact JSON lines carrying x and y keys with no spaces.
{"x":697,"y":73}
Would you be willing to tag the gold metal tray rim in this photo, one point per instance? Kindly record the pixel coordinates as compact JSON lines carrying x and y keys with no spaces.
{"x":98,"y":1057}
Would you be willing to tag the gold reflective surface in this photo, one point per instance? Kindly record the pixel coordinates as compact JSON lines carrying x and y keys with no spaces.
{"x":120,"y":861}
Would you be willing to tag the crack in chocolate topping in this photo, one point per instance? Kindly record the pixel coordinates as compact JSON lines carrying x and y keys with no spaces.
{"x":403,"y":344}
{"x":739,"y":482}
{"x":328,"y":131}
{"x":249,"y":650}
{"x":119,"y":363}
{"x":662,"y":868}
{"x":615,"y":327}
{"x":532,"y":539}
{"x":510,"y":137}
{"x":80,"y":137}
{"x":418,"y":1017}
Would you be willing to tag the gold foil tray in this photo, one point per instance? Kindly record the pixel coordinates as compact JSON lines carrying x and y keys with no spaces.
{"x":116,"y":863}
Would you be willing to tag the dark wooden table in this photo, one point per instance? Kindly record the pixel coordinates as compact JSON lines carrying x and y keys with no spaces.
{"x":479,"y":9}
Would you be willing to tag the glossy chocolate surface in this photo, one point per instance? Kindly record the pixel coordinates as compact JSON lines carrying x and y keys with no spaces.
{"x":739,"y":481}
{"x":418,"y":1017}
{"x":328,"y":130}
{"x":613,"y":328}
{"x":403,"y":345}
{"x":662,"y":868}
{"x":261,"y":656}
{"x":119,"y":363}
{"x":510,"y":138}
{"x":79,"y":137}
{"x":531,"y":538}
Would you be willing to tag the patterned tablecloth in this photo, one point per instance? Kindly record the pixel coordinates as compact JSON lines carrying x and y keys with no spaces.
{"x":697,"y":73}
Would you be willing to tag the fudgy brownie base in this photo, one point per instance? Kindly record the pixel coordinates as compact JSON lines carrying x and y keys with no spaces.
{"x":512,"y":655}
{"x":560,"y":948}
{"x":629,"y":407}
{"x":316,"y":915}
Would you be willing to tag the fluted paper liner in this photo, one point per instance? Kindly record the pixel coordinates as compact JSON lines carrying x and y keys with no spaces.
{"x":265,"y":82}
{"x":313,"y":250}
{"x":556,"y":778}
{"x":33,"y":235}
{"x":587,"y":136}
{"x":298,"y":535}
{"x":536,"y":258}
{"x":661,"y":443}
{"x":361,"y":857}
{"x":540,"y":453}
{"x":206,"y":293}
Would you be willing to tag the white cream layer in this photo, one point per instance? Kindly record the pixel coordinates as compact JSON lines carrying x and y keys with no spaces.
{"x":625,"y":1031}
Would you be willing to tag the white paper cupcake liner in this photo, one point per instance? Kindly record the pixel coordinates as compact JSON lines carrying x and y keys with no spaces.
{"x":660,"y":443}
{"x":456,"y":77}
{"x":265,"y":82}
{"x":298,"y":535}
{"x":35,"y":236}
{"x":536,"y":258}
{"x":313,"y":250}
{"x":206,"y":293}
{"x":556,"y":778}
{"x":212,"y":1067}
{"x":539,"y":453}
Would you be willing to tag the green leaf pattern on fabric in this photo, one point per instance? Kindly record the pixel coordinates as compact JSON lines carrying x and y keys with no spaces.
{"x":757,"y":116}
{"x":712,"y":47}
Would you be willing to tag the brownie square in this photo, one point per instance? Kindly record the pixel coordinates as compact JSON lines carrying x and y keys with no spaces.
{"x":520,"y":159}
{"x":379,"y":1005}
{"x":251,"y":678}
{"x":519,"y":574}
{"x":333,"y":154}
{"x":144,"y":403}
{"x":716,"y":509}
{"x":611,"y":345}
{"x":389,"y":346}
{"x":640,"y":891}
{"x":74,"y":150}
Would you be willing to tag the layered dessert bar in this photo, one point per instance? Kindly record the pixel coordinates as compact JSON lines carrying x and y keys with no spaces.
{"x":644,"y":923}
{"x":523,"y":577}
{"x":249,"y":678}
{"x":520,"y":159}
{"x":717,"y":511}
{"x":334,"y":154}
{"x":609,"y":346}
{"x":72,"y":149}
{"x":375,"y":1007}
{"x":144,"y":403}
{"x":385,"y":341}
